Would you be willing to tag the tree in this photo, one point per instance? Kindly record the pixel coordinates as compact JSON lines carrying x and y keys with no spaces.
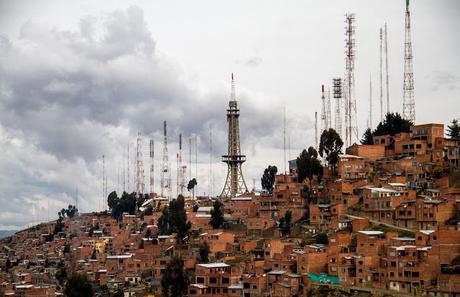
{"x":127,"y":203}
{"x":453,"y":130}
{"x":94,"y":254}
{"x":321,"y":238}
{"x":71,"y":211}
{"x":164,"y":223}
{"x":61,"y":273}
{"x":78,"y":286}
{"x":367,"y":137}
{"x":204,"y":253}
{"x":268,"y":178}
{"x":330,"y":145}
{"x":392,"y":125}
{"x":308,"y":165}
{"x":217,"y":215}
{"x":285,"y":223}
{"x":178,"y":219}
{"x":191,"y":185}
{"x":112,"y":200}
{"x":173,"y":282}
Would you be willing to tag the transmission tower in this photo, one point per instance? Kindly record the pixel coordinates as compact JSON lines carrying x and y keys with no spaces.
{"x":234,"y":182}
{"x":316,"y":130}
{"x":381,"y":75}
{"x":370,"y":103}
{"x":139,"y":178}
{"x":211,"y":179}
{"x":129,"y":165}
{"x":387,"y":83}
{"x":328,"y":108}
{"x":409,"y":100}
{"x":337,"y":95}
{"x":181,"y":170}
{"x":152,"y":159}
{"x":352,"y":128}
{"x":323,"y":110}
{"x":165,"y":171}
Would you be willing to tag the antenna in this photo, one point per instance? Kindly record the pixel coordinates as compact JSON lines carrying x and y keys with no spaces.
{"x":152,"y":172}
{"x":316,"y":129}
{"x":139,"y":179}
{"x":128,"y":164}
{"x":328,"y":108}
{"x":352,"y":129}
{"x":284,"y":138}
{"x":381,"y":75}
{"x":196,"y":156}
{"x":210,"y":183}
{"x":101,"y":206}
{"x":337,"y":94}
{"x":165,"y":172}
{"x":370,"y":102}
{"x":409,"y":100}
{"x":386,"y":69}
{"x":323,"y":110}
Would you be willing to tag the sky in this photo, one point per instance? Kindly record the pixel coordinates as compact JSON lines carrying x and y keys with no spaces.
{"x":79,"y":80}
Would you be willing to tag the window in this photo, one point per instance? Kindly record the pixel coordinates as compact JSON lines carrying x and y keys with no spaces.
{"x":200,"y":280}
{"x":213,"y":280}
{"x":225,"y":280}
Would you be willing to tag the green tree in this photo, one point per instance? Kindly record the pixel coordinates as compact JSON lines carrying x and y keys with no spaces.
{"x":174,"y":282}
{"x":330,"y":146}
{"x":204,"y":253}
{"x":78,"y":286}
{"x":392,"y":125}
{"x":268,"y":178}
{"x":112,"y":200}
{"x":285,"y":223}
{"x":164,"y":223}
{"x":453,"y":130}
{"x":217,"y":215}
{"x":367,"y":137}
{"x":191,"y":186}
{"x":321,"y":238}
{"x":308,"y":165}
{"x":178,"y":219}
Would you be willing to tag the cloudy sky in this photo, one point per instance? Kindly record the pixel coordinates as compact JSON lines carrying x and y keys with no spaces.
{"x":80,"y":79}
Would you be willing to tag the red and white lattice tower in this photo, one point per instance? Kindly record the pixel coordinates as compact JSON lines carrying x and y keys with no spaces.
{"x":139,"y":178}
{"x":323,"y":111}
{"x":152,"y":172}
{"x":337,"y":95}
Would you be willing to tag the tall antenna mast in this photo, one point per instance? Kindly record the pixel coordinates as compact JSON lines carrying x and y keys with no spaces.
{"x":350,"y":78}
{"x":328,"y":109}
{"x":284,"y":138}
{"x":386,"y":69}
{"x":210,"y":183}
{"x":323,"y":110}
{"x":139,"y":178}
{"x":101,"y":205}
{"x":381,"y":75}
{"x":129,"y":176}
{"x":181,"y":170}
{"x":152,"y":172}
{"x":409,"y":100}
{"x":196,"y":161}
{"x":165,"y":171}
{"x":370,"y":102}
{"x":316,"y":129}
{"x":234,"y":182}
{"x":337,"y":94}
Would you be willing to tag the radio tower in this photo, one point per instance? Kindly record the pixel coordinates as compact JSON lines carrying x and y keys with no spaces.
{"x":381,"y":75}
{"x":409,"y":100}
{"x":234,"y":182}
{"x":139,"y":179}
{"x":370,"y":102}
{"x":323,"y":110}
{"x":328,"y":108}
{"x":165,"y":171}
{"x":387,"y":83}
{"x":181,"y":170}
{"x":337,"y":94}
{"x":352,"y":127}
{"x":316,"y":130}
{"x":152,"y":157}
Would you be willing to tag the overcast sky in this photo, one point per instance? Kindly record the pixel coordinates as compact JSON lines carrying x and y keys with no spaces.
{"x":79,"y":79}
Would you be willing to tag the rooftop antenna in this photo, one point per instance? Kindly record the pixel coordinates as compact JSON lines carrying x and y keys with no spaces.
{"x":409,"y":100}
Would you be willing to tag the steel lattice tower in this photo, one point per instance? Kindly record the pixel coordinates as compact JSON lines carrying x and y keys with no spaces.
{"x":323,"y":111}
{"x":234,"y":183}
{"x":337,"y":95}
{"x":165,"y":171}
{"x":152,"y":157}
{"x":139,"y":178}
{"x":409,"y":100}
{"x":181,"y":170}
{"x":352,"y":127}
{"x":381,"y":76}
{"x":328,"y":109}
